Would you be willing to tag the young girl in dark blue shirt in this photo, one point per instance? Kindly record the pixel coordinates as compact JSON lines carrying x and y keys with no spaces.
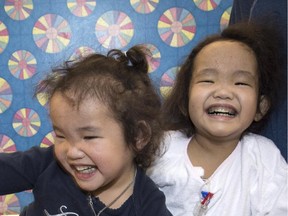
{"x":104,"y":113}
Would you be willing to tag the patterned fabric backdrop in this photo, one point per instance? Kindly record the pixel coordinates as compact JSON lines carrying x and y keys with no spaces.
{"x":36,"y":35}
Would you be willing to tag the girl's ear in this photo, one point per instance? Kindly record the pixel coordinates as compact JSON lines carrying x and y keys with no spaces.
{"x":144,"y":134}
{"x":264,"y":106}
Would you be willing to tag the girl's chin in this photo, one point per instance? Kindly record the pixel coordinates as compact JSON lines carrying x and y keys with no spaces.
{"x":88,"y":186}
{"x":222,"y":133}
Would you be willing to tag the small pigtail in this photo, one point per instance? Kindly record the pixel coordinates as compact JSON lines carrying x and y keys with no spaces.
{"x":137,"y":57}
{"x":118,"y":55}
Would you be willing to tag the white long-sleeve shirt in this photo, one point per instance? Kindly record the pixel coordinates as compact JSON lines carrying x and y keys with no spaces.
{"x":251,"y":181}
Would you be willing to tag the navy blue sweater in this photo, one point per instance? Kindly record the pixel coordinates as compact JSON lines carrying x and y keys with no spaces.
{"x":55,"y":192}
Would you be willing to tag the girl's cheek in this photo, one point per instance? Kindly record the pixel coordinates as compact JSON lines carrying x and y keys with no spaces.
{"x":59,"y":152}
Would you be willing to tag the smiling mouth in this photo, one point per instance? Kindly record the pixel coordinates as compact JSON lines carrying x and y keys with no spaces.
{"x":222,"y":111}
{"x":85,"y":169}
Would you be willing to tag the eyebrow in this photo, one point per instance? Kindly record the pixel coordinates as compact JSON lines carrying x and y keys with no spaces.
{"x":211,"y":71}
{"x":205,"y":71}
{"x":245,"y":73}
{"x":85,"y":128}
{"x":88,"y":128}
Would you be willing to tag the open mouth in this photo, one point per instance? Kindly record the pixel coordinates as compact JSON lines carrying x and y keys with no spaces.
{"x":222,"y":111}
{"x":85,"y":169}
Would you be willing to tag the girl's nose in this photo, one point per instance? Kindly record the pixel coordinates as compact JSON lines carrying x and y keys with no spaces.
{"x":74,"y":151}
{"x":224,"y":92}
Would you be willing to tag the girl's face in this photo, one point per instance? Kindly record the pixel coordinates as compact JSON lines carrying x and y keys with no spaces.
{"x":223,"y":91}
{"x":90,"y":144}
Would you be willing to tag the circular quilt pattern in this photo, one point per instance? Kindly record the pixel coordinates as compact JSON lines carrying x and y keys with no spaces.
{"x":207,"y":5}
{"x":176,"y":27}
{"x":7,"y":144}
{"x":48,"y":140}
{"x":81,"y":52}
{"x":51,"y":33}
{"x":5,"y":95}
{"x":167,"y":81}
{"x":154,"y":58}
{"x":42,"y":99}
{"x":4,"y":36}
{"x":144,"y":6}
{"x":224,"y":21}
{"x":114,"y":29}
{"x":22,"y":64}
{"x":9,"y":205}
{"x":81,"y":8}
{"x":18,"y":9}
{"x":26,"y":122}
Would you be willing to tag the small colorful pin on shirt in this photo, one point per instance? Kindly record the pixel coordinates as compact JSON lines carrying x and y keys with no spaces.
{"x":202,"y":207}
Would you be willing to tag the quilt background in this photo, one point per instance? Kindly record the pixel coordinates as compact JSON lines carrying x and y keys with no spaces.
{"x":36,"y":35}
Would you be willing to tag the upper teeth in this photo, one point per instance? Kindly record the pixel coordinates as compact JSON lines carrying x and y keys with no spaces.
{"x":85,"y":169}
{"x":221,"y":111}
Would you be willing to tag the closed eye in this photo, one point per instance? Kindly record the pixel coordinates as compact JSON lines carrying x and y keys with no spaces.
{"x":206,"y":81}
{"x":242,"y":83}
{"x":59,"y":136}
{"x":59,"y":139}
{"x":90,"y":137}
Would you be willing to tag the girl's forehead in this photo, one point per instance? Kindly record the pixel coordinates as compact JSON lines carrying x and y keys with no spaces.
{"x":231,"y":45}
{"x":72,"y":100}
{"x":87,"y":105}
{"x":226,"y":57}
{"x":224,"y":51}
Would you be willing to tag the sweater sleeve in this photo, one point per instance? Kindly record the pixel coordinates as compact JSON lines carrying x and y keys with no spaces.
{"x":19,"y":171}
{"x":148,"y":199}
{"x":154,"y":204}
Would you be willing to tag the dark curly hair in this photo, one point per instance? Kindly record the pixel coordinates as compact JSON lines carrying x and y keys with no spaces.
{"x":119,"y":80}
{"x":263,"y":40}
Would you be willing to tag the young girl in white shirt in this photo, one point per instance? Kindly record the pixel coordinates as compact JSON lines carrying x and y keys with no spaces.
{"x":215,"y":163}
